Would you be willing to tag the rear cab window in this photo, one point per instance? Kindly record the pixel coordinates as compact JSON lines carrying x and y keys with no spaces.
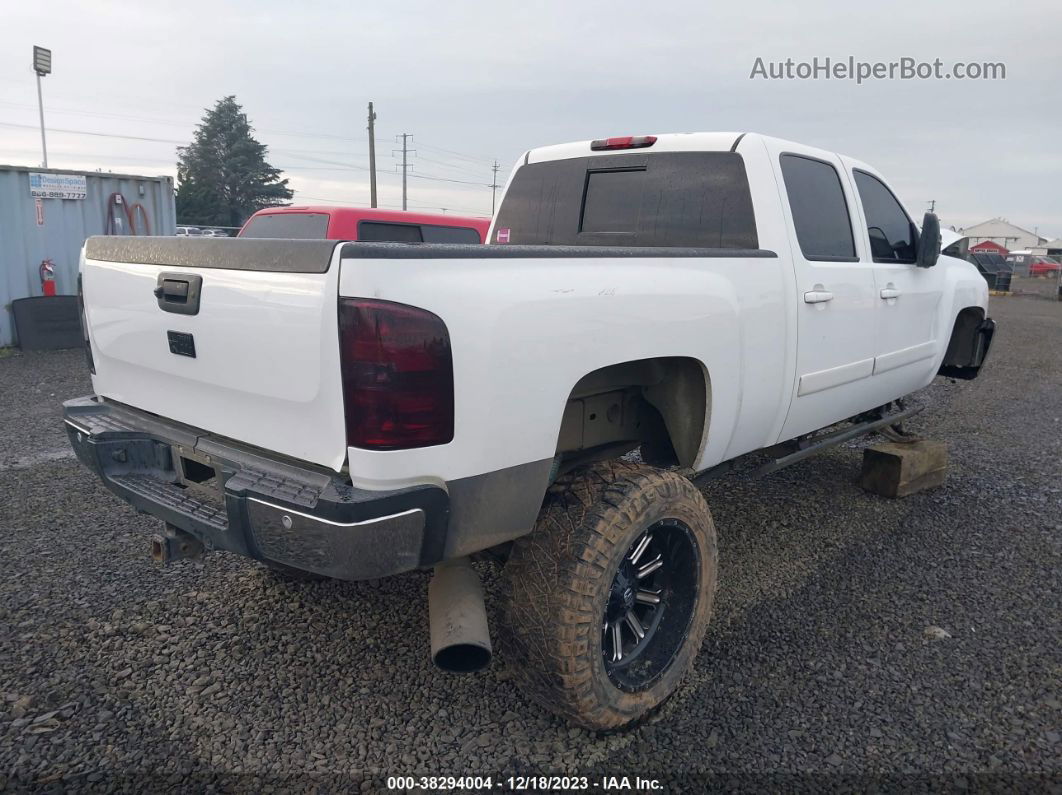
{"x":290,"y":226}
{"x":669,"y":199}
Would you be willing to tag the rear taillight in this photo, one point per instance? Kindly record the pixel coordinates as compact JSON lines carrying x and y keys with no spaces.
{"x":84,"y":325}
{"x":398,"y":375}
{"x":623,"y":142}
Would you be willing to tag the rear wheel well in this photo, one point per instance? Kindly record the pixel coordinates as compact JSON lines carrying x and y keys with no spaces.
{"x":660,"y":404}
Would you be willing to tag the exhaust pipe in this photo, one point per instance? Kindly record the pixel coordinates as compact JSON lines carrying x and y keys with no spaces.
{"x":460,"y":638}
{"x":174,"y":544}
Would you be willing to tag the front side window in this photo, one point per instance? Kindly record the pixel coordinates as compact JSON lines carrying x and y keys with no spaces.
{"x":892,"y":235}
{"x":820,"y":212}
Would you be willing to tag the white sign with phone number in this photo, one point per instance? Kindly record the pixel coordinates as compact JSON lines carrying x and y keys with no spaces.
{"x":58,"y":186}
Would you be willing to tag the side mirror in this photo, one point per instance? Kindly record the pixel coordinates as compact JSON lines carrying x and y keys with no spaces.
{"x":928,"y":250}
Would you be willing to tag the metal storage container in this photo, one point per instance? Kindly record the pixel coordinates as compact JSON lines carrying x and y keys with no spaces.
{"x":996,"y":270}
{"x":46,"y":214}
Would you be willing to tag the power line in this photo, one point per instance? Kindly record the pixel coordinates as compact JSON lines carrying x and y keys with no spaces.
{"x":331,"y":164}
{"x":334,"y":200}
{"x":406,"y":166}
{"x":465,"y":168}
{"x":447,"y":179}
{"x":290,"y":152}
{"x":100,"y":114}
{"x":174,"y":123}
{"x":293,"y":152}
{"x":97,"y":134}
{"x":340,"y":166}
{"x":430,"y":177}
{"x":455,"y":154}
{"x":63,"y":153}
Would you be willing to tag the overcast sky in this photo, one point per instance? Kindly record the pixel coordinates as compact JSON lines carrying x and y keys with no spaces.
{"x":477,"y":81}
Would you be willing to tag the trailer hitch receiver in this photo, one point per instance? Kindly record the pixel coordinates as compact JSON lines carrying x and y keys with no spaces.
{"x":173,"y":544}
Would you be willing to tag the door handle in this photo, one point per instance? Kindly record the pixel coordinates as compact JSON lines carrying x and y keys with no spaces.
{"x":889,"y":292}
{"x":817,"y":296}
{"x":173,"y":290}
{"x":179,"y":292}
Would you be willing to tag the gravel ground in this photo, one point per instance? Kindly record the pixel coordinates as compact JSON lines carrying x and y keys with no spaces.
{"x":816,"y":674}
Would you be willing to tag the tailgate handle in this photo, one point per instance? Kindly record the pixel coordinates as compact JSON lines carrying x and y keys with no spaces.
{"x":179,"y":292}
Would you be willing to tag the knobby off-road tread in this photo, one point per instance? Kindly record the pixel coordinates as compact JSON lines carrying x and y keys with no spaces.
{"x":557,"y":578}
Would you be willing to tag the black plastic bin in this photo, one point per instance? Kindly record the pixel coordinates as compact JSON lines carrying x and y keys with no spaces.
{"x":47,"y":322}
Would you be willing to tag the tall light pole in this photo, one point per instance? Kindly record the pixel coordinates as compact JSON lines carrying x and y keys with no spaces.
{"x":42,"y":65}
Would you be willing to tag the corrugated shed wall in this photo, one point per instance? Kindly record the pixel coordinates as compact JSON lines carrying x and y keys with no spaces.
{"x":67,"y":222}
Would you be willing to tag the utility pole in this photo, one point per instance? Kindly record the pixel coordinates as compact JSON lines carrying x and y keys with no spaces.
{"x":405,"y":163}
{"x":405,"y":168}
{"x":42,"y":65}
{"x":372,"y":157}
{"x":493,"y":186}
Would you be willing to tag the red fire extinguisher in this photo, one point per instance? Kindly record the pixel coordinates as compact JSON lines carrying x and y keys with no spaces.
{"x":47,"y":277}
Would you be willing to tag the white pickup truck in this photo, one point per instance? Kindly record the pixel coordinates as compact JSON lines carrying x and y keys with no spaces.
{"x":356,"y":410}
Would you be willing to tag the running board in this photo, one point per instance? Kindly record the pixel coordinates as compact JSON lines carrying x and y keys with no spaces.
{"x":810,"y":445}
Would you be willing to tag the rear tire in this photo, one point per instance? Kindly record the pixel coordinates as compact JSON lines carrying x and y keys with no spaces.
{"x":613,"y":539}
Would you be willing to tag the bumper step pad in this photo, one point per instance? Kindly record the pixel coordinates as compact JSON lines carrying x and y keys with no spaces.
{"x":171,"y":496}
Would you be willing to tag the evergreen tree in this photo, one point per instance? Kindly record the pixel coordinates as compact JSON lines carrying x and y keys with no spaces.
{"x":223,"y":176}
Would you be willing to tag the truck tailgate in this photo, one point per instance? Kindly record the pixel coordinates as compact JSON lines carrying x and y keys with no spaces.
{"x":257,"y":362}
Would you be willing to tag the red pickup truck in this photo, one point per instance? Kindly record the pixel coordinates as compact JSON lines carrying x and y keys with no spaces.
{"x":363,"y":223}
{"x":1044,"y":266}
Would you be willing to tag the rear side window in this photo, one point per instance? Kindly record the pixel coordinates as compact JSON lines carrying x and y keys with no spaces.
{"x":379,"y":232}
{"x":383,"y":232}
{"x":892,"y":235}
{"x":820,"y":212}
{"x":298,"y":226}
{"x":449,"y":234}
{"x":672,"y":199}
